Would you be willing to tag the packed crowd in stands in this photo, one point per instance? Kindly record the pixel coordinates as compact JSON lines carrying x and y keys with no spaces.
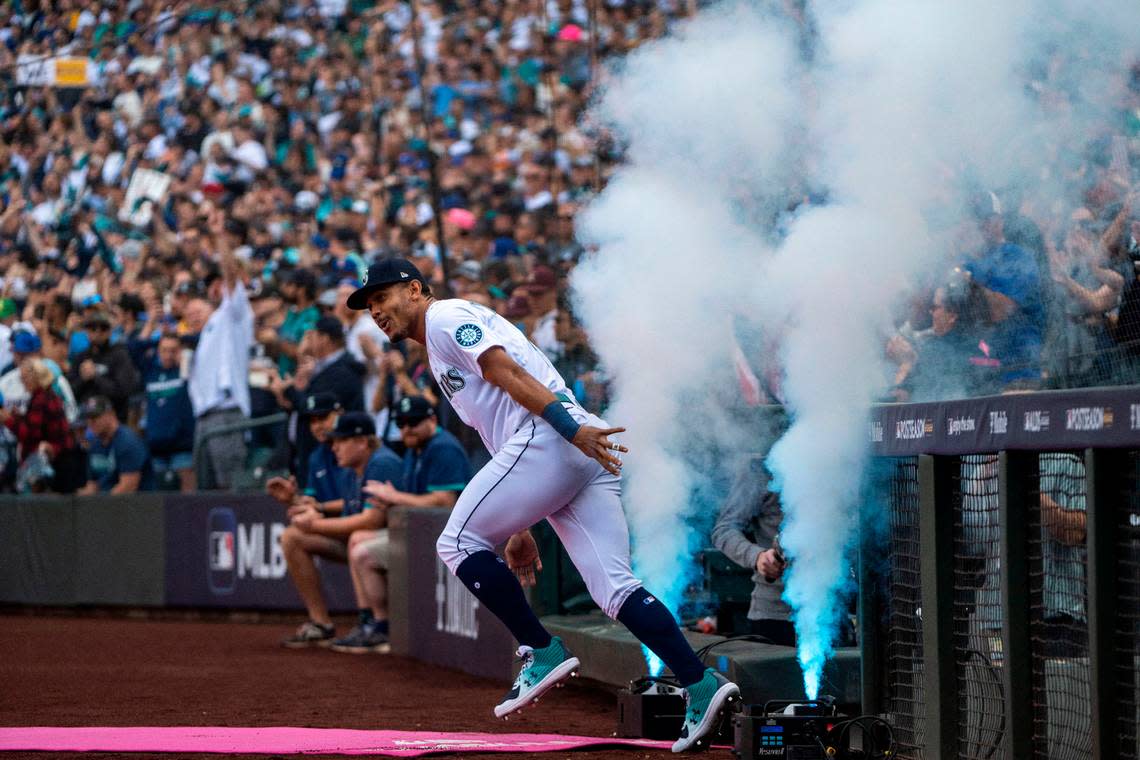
{"x":294,"y":141}
{"x":178,"y":235}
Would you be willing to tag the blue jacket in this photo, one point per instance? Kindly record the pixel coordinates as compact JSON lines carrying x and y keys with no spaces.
{"x":169,"y":415}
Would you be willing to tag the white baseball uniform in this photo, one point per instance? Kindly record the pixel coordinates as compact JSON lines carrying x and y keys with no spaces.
{"x":534,"y":472}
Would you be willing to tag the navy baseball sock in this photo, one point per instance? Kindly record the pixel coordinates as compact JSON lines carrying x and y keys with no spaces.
{"x":364,"y":616}
{"x":652,"y":623}
{"x":497,"y":589}
{"x":380,"y":626}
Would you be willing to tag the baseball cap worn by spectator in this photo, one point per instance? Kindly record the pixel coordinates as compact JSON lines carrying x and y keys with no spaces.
{"x":303,"y":278}
{"x":541,"y":280}
{"x":351,"y":424}
{"x":985,"y":204}
{"x":327,"y":299}
{"x":24,"y":342}
{"x":461,"y":218}
{"x":382,"y":273}
{"x":321,"y":403}
{"x":96,"y":406}
{"x":518,"y":306}
{"x":469,"y":270}
{"x":331,"y":327}
{"x":305,"y":201}
{"x":412,"y":410}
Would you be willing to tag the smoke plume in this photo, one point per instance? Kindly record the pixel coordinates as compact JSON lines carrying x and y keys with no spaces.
{"x":727,"y":122}
{"x":678,"y":256}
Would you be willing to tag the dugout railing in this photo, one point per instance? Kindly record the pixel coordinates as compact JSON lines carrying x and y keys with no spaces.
{"x":1000,"y":576}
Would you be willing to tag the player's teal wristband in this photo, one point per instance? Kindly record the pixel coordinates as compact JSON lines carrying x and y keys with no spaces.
{"x":560,"y":420}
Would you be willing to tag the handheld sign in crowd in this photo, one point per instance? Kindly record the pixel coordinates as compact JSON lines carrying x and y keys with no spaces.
{"x":146,"y":189}
{"x":60,"y":71}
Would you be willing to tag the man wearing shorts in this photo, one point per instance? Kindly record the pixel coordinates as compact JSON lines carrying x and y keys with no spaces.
{"x":322,"y":532}
{"x":435,"y":471}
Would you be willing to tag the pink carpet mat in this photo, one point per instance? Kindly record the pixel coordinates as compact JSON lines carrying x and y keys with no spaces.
{"x":285,"y":741}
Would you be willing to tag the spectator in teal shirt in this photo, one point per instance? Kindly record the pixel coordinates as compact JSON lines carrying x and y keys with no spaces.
{"x":300,"y":291}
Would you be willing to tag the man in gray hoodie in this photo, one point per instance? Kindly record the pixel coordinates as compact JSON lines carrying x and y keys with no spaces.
{"x":747,"y":531}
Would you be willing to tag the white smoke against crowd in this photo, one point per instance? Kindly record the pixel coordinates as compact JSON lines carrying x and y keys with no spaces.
{"x":724,"y":122}
{"x":899,"y":104}
{"x":674,"y":244}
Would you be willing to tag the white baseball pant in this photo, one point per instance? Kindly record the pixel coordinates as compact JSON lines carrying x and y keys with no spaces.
{"x":536,"y":475}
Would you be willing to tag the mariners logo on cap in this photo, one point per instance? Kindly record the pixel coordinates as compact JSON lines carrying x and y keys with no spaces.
{"x":365,"y":280}
{"x":468,"y":335}
{"x":311,"y":403}
{"x":405,"y":404}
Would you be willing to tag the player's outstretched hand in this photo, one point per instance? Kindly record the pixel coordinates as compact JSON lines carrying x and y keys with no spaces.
{"x":595,"y":443}
{"x":522,"y":557}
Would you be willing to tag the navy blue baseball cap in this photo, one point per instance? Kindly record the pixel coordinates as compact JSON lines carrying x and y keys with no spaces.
{"x":96,"y":406}
{"x":352,"y":424}
{"x":331,"y":327}
{"x":321,"y":403}
{"x":412,"y":410}
{"x":383,"y":272}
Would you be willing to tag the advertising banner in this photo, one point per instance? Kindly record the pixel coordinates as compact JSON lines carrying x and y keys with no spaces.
{"x":446,"y":624}
{"x":1053,"y":420}
{"x":224,"y":551}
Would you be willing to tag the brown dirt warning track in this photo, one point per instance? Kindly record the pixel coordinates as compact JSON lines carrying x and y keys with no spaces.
{"x":86,"y":671}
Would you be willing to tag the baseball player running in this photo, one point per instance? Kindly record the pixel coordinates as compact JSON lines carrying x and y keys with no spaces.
{"x":550,"y":459}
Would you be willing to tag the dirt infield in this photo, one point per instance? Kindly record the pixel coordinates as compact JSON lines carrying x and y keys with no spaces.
{"x":77,"y":671}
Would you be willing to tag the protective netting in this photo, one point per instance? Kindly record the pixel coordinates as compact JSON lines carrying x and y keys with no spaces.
{"x":1058,"y":593}
{"x":977,"y":609}
{"x":904,"y":703}
{"x":1054,"y":493}
{"x":1127,"y":626}
{"x":1083,"y":350}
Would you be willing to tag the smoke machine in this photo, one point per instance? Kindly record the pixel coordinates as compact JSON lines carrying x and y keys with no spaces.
{"x":808,"y":730}
{"x":653,"y":708}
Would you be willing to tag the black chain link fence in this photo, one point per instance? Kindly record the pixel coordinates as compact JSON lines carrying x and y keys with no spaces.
{"x":1127,"y":624}
{"x":903,"y":662}
{"x":1058,"y":692}
{"x":977,"y":609}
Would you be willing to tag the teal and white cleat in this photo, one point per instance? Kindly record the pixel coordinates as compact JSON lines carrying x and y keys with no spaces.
{"x":704,"y":702}
{"x":542,"y":670}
